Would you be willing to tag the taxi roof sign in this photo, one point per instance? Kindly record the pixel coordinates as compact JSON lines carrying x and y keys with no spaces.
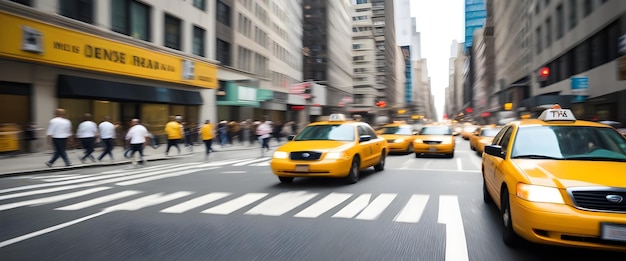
{"x":337,"y":117}
{"x":557,"y":115}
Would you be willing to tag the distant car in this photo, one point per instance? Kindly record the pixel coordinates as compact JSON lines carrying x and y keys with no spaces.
{"x":468,"y":131}
{"x":558,"y":180}
{"x":434,"y":140}
{"x":399,"y":136}
{"x":484,"y":136}
{"x":337,"y":148}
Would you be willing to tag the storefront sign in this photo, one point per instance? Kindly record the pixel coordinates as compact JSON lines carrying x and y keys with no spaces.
{"x":580,"y":88}
{"x":39,"y":42}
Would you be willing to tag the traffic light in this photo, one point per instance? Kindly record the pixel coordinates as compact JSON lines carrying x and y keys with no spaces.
{"x":381,"y":104}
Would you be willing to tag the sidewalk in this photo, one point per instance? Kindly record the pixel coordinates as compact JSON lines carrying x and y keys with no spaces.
{"x":32,"y":163}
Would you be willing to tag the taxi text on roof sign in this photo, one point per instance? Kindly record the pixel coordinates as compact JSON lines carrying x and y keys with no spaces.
{"x":557,"y":115}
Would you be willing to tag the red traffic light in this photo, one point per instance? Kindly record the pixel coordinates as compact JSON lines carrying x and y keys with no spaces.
{"x":544,"y":72}
{"x":381,"y":104}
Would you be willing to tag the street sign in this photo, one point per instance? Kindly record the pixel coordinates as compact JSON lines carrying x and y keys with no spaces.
{"x":580,"y":88}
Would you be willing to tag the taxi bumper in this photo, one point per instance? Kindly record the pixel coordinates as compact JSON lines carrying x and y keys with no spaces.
{"x":398,"y":147}
{"x":557,"y":224}
{"x":318,"y":168}
{"x":433,"y":148}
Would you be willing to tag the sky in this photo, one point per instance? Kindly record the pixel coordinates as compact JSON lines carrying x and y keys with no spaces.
{"x":439,"y":22}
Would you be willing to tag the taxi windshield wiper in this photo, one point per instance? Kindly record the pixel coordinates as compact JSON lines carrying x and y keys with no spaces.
{"x":535,"y":156}
{"x":590,"y":158}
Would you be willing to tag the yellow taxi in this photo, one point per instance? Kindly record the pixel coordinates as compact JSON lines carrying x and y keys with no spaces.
{"x":334,"y":148}
{"x":468,"y":131}
{"x":483,"y":136}
{"x":434,"y":139}
{"x":559,"y":181}
{"x":399,"y":136}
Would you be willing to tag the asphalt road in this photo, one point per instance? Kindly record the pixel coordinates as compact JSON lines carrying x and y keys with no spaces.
{"x":233,"y":208}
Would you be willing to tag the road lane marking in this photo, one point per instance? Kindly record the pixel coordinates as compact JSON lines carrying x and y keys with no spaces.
{"x":147,"y":201}
{"x":235,"y":204}
{"x":162,"y":176}
{"x":48,"y":230}
{"x":251,"y":161}
{"x":46,"y":200}
{"x":377,"y":206}
{"x":196,"y":202}
{"x":52,"y":176}
{"x":428,"y":162}
{"x":281,"y":203}
{"x":354,"y":207}
{"x":323,"y":205}
{"x":459,"y":165}
{"x":475,"y":162}
{"x":126,"y":169}
{"x":267,"y":163}
{"x":407,"y":163}
{"x":221,"y":163}
{"x":234,"y":172}
{"x":99,"y":200}
{"x":444,"y":170}
{"x":413,"y":210}
{"x":450,"y":215}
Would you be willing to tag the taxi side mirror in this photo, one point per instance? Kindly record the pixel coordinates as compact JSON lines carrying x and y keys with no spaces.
{"x":494,"y":150}
{"x":416,"y":133}
{"x":364,"y":138}
{"x":291,"y":137}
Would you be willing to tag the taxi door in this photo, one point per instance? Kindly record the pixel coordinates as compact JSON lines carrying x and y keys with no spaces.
{"x":366,"y":147}
{"x":378,"y":143}
{"x":492,"y":163}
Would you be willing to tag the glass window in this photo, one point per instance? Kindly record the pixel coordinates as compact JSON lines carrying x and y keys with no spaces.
{"x":81,"y":10}
{"x":538,"y":36}
{"x":506,"y":138}
{"x":222,"y":49}
{"x":598,"y":52}
{"x":131,"y":18}
{"x":582,"y":57}
{"x":75,"y":110}
{"x":588,"y":8}
{"x":24,"y":2}
{"x":559,"y":22}
{"x":154,"y":117}
{"x":548,"y":32}
{"x":200,"y":4}
{"x":198,"y":41}
{"x":491,"y":132}
{"x":573,"y":13}
{"x":172,"y":32}
{"x":401,"y":130}
{"x":223,"y":13}
{"x":105,"y":108}
{"x":435,"y":130}
{"x":338,"y":132}
{"x":573,"y":143}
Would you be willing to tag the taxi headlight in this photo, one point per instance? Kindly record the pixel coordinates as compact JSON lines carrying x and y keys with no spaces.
{"x":542,"y":194}
{"x":280,"y":155}
{"x":446,"y":141}
{"x":419,"y":141}
{"x":398,"y":140}
{"x":334,"y":155}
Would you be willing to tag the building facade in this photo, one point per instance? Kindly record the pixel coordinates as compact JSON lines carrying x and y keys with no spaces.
{"x":363,"y":58}
{"x":122,"y":58}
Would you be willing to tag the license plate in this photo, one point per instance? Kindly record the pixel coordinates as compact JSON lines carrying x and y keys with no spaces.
{"x":613,"y":232}
{"x":432,"y":149}
{"x":302,"y":168}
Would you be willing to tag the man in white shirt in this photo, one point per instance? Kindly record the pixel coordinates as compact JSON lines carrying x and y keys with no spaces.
{"x":107,"y":135}
{"x":87,"y":133}
{"x":59,"y":130}
{"x":137,"y":136}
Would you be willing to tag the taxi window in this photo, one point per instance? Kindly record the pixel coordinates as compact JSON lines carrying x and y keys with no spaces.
{"x":366,"y":130}
{"x":506,"y":138}
{"x":436,"y":130}
{"x":338,"y":132}
{"x":569,"y":143}
{"x":489,"y":132}
{"x":400,"y":130}
{"x":496,"y":139}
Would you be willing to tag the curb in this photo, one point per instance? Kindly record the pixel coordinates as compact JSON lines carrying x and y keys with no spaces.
{"x":81,"y":166}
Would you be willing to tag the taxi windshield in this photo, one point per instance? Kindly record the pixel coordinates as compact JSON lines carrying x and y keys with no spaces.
{"x":569,"y":143}
{"x":338,"y":132}
{"x":489,"y":132}
{"x":401,"y":130}
{"x":436,"y":130}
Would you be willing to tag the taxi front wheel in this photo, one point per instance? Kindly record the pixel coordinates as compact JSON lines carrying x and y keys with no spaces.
{"x":285,"y":179}
{"x":508,"y":234}
{"x":353,"y":175}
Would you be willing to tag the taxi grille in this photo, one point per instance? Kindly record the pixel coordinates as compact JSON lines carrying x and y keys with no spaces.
{"x":305,"y":155}
{"x":432,"y":141}
{"x":599,"y":200}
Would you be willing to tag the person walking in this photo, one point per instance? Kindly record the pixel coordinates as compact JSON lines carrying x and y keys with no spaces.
{"x":87,"y":133}
{"x":264,"y":131}
{"x":174,"y":131}
{"x":137,"y":136}
{"x":107,"y":135}
{"x":207,"y":137}
{"x":58,"y":133}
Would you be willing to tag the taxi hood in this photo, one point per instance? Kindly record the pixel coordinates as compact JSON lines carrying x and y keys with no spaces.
{"x":573,"y":173}
{"x":394,"y":136}
{"x":435,"y":137}
{"x":316,"y":145}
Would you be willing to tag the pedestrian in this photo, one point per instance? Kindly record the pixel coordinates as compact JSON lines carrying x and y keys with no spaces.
{"x":174,"y":131}
{"x":222,"y":131}
{"x":87,"y":133}
{"x":107,"y":136}
{"x":207,"y":137}
{"x":264,"y":131}
{"x":137,"y":137}
{"x":58,"y":133}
